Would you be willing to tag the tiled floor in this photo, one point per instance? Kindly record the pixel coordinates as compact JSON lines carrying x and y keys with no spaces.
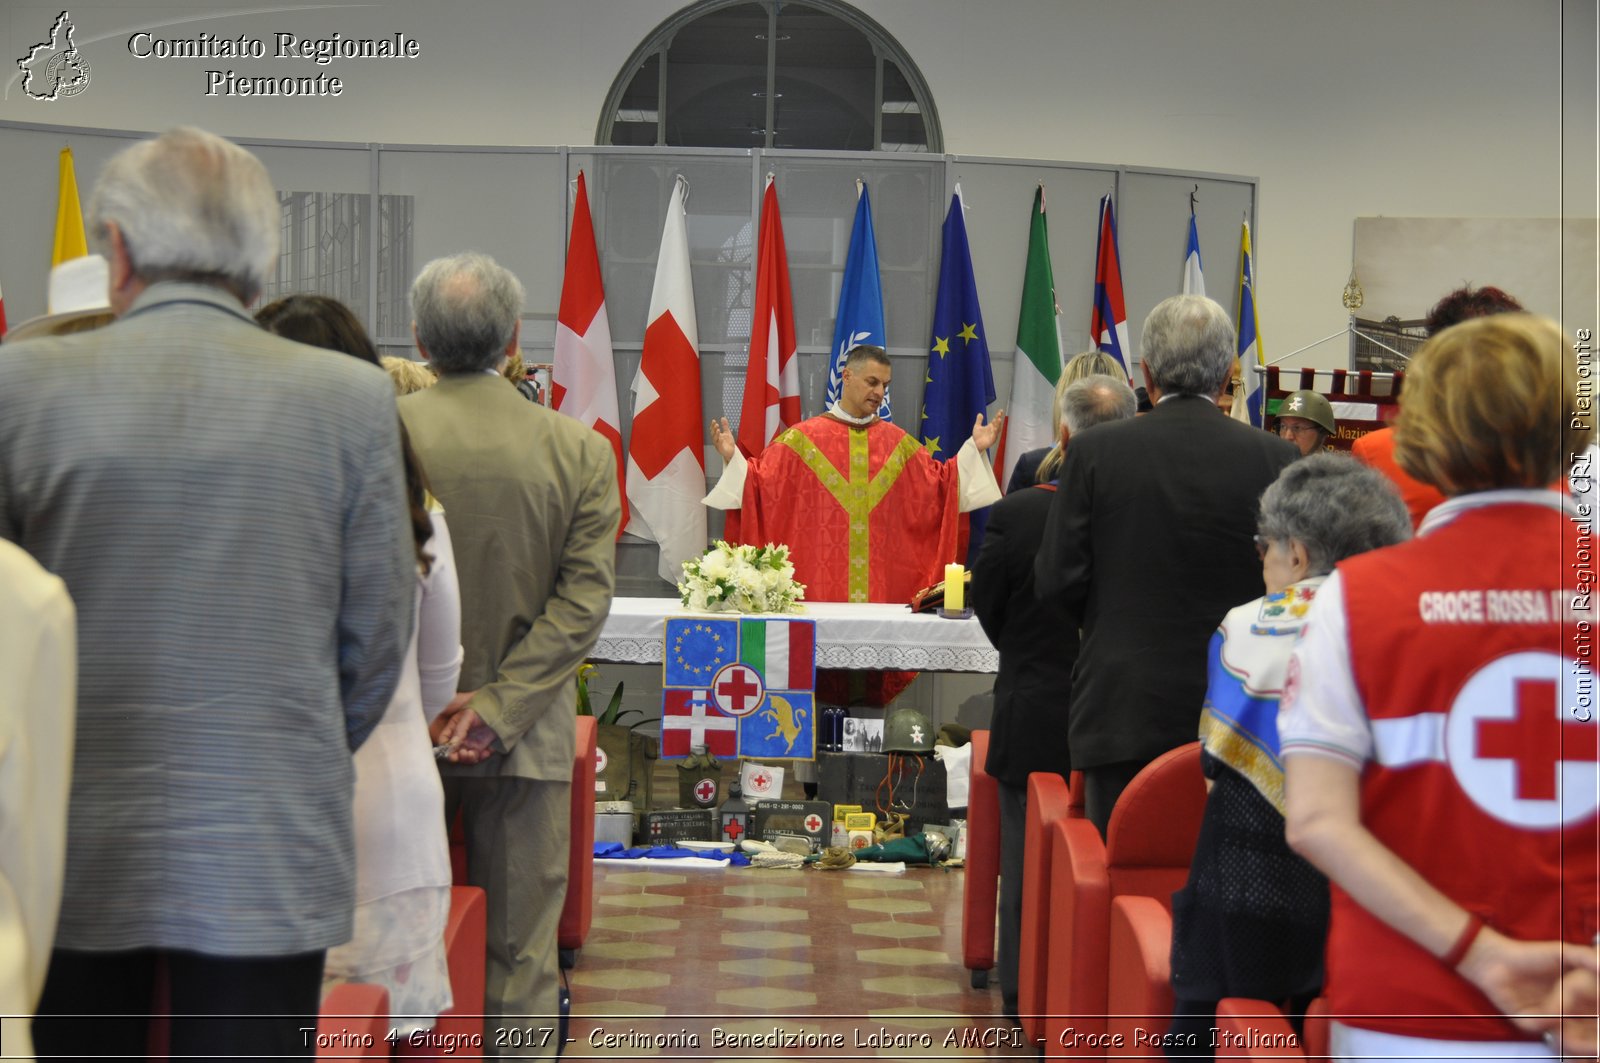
{"x":685,"y":963}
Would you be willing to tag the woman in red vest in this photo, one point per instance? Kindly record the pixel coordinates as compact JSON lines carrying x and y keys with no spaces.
{"x":1439,"y":723}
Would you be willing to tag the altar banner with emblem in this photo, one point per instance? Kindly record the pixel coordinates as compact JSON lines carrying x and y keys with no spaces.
{"x":739,"y":687}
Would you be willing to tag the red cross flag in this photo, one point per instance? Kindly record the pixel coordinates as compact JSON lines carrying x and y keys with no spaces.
{"x":666,"y":452}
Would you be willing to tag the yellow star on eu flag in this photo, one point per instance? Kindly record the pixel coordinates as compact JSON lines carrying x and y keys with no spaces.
{"x":941,"y":347}
{"x":969,"y":332}
{"x":931,"y":444}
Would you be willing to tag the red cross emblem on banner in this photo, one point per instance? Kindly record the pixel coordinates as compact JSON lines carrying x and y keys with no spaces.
{"x":813,"y":823}
{"x":1515,"y":747}
{"x":737,"y":690}
{"x":705,"y":790}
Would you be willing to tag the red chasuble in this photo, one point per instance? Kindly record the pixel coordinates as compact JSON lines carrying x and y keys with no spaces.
{"x":867,"y":514}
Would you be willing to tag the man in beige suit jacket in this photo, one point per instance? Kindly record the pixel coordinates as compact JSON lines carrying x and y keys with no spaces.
{"x":533,"y":508}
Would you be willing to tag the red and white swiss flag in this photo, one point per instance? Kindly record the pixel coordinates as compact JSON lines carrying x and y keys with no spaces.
{"x":584,"y":379}
{"x":772,"y":380}
{"x":666,"y":450}
{"x":691,"y":718}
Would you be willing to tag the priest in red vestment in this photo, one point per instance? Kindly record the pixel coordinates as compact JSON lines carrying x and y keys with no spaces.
{"x":868,"y":514}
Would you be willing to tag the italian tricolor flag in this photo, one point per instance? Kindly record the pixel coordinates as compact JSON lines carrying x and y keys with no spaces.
{"x":1038,"y":362}
{"x":783,"y":651}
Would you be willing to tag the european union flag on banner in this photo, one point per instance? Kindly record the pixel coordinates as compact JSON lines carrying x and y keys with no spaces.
{"x":959,"y":383}
{"x":784,"y":726}
{"x":860,"y":317}
{"x":697,"y":649}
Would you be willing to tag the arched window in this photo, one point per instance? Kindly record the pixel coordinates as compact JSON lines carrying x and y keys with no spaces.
{"x":771,"y":74}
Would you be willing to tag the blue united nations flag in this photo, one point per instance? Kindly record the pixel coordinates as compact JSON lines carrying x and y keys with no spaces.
{"x":697,"y":649}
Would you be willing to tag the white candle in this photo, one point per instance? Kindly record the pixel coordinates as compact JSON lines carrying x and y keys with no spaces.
{"x":955,"y":588}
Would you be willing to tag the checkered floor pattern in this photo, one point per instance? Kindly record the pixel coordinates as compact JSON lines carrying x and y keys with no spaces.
{"x":763,"y":964}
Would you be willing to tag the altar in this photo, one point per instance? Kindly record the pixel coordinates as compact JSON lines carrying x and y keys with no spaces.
{"x":849,"y":635}
{"x":955,"y":657}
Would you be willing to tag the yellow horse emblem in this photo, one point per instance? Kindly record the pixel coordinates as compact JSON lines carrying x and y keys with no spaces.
{"x":786,"y":718}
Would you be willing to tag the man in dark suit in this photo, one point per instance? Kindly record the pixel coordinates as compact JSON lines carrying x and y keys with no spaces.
{"x":1149,"y":543}
{"x":230,"y":519}
{"x":1038,"y":643}
{"x":532,"y":502}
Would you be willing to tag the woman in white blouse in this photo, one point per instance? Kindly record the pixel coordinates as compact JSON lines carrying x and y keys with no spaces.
{"x":402,"y":851}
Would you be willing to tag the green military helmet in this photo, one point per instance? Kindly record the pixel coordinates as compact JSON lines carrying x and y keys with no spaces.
{"x":1312,"y":406}
{"x":907,"y":731}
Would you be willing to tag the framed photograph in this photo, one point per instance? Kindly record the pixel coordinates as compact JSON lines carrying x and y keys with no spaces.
{"x":862,"y":735}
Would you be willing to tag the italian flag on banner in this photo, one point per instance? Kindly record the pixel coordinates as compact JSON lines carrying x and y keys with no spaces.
{"x":1038,"y":362}
{"x":783,"y":651}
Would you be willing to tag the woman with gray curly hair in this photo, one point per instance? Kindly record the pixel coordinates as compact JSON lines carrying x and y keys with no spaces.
{"x":1251,"y":920}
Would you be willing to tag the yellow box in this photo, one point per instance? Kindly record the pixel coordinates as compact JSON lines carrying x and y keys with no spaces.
{"x":840,"y":811}
{"x":860,"y":821}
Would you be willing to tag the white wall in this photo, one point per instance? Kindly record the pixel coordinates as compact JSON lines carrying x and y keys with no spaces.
{"x":1342,"y":108}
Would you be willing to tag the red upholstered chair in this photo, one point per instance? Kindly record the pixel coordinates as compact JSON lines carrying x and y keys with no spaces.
{"x":461,"y":1025}
{"x":1318,"y":1030}
{"x":578,"y":910}
{"x":980,"y":883}
{"x":1254,"y":1029}
{"x":1048,"y":801}
{"x":354,"y":1023}
{"x":1151,"y":842}
{"x":1139,"y":976}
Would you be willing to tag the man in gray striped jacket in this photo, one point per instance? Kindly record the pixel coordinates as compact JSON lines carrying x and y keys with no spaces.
{"x":227,"y":511}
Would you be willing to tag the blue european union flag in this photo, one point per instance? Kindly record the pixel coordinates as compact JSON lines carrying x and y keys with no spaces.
{"x":696,"y":649}
{"x":860,"y":317}
{"x":959,"y":383}
{"x":784,"y":726}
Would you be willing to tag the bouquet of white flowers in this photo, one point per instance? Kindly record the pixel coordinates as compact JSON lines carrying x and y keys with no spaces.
{"x":741,"y":579}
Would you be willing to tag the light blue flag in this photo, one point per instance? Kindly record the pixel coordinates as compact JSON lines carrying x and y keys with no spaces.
{"x":860,"y":318}
{"x":1194,"y":281}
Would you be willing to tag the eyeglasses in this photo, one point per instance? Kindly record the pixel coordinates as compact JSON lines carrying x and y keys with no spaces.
{"x":1296,"y":429}
{"x":1262,"y":544}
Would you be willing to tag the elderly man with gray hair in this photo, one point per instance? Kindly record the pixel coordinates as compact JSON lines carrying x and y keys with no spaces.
{"x":533,"y":507}
{"x":233,"y":528}
{"x":1038,"y":644}
{"x":1148,"y":544}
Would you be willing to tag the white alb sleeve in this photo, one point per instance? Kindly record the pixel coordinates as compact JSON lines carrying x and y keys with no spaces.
{"x":976,"y":477}
{"x":728,"y":491}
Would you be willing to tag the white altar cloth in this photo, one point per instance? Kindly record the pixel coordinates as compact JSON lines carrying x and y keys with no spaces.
{"x":849,"y":635}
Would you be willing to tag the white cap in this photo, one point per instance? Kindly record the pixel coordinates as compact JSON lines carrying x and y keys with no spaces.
{"x":78,"y":288}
